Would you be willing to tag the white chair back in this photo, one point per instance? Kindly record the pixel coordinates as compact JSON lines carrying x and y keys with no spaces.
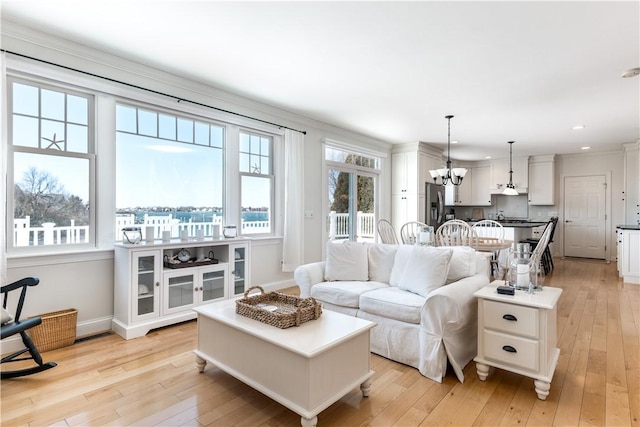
{"x":456,"y":233}
{"x":409,"y":232}
{"x":489,"y":228}
{"x":387,"y":233}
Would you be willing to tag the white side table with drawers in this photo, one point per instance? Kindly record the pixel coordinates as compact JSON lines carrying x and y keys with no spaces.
{"x":518,"y":333}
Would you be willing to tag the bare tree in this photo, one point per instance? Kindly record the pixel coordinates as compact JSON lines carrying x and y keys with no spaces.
{"x":41,"y":196}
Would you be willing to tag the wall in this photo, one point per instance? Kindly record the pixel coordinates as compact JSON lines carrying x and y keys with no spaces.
{"x":85,"y":280}
{"x":609,"y":164}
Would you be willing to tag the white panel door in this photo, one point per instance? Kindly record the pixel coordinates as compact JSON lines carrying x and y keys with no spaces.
{"x":585,"y":216}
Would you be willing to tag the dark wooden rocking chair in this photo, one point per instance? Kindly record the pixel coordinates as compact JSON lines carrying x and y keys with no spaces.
{"x":17,"y":326}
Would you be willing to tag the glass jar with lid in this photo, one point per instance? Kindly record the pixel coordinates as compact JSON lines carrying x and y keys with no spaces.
{"x":229,"y":231}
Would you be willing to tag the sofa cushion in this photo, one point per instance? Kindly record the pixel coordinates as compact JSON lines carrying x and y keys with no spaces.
{"x":393,"y":303}
{"x":426,"y":270}
{"x":346,"y":261}
{"x":345,"y":293}
{"x":381,"y":259}
{"x":399,"y":264}
{"x":462,"y":264}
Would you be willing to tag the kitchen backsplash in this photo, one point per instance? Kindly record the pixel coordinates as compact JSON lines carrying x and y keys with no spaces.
{"x":516,"y":207}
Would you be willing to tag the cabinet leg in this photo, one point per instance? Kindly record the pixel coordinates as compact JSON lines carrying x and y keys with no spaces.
{"x":366,"y":387}
{"x":542,"y":388}
{"x":309,"y":422}
{"x":483,"y":371}
{"x":200,"y":363}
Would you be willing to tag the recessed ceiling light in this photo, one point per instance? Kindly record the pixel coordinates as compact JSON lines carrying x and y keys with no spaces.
{"x":487,"y":157}
{"x":578,"y":127}
{"x":631,"y":72}
{"x":454,"y":142}
{"x":585,"y":148}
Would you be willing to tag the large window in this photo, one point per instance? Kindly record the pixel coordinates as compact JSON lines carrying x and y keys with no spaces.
{"x":84,"y":164}
{"x":256,"y":181}
{"x":352,"y":181}
{"x":169,"y":172}
{"x":51,"y":152}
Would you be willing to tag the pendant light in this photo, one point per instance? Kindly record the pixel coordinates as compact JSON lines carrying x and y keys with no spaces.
{"x":511,"y":189}
{"x":448,"y":175}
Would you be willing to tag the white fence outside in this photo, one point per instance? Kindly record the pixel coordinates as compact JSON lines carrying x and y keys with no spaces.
{"x":365,"y":226}
{"x":51,"y":234}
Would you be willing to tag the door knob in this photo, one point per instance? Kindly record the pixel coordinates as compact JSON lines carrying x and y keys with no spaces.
{"x":566,"y":220}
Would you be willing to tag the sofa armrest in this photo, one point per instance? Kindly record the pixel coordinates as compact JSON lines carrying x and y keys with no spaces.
{"x":308,"y":275}
{"x":449,"y":320}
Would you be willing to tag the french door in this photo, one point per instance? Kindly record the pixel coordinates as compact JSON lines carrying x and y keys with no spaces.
{"x":351,"y":205}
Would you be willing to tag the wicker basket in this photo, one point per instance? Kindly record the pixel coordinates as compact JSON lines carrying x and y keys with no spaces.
{"x":291,"y":310}
{"x":58,"y":329}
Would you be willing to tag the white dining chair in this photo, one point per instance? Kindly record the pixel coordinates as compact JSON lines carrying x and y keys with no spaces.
{"x":409,"y":232}
{"x":490,"y":229}
{"x":456,"y":232}
{"x":387,"y":233}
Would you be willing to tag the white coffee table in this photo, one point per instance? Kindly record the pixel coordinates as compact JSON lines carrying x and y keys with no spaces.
{"x":305,"y":368}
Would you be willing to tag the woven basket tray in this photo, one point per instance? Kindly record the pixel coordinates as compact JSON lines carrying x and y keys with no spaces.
{"x":291,"y":310}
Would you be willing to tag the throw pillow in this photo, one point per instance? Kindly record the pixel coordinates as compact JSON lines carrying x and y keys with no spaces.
{"x":346,"y":261}
{"x":426,"y":270}
{"x":381,"y":259}
{"x":399,"y":264}
{"x":463,"y":263}
{"x":5,"y":317}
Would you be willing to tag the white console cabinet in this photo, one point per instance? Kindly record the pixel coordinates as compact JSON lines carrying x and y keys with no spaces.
{"x":148,"y":294}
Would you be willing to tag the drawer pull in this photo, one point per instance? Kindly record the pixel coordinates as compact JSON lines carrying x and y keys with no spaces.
{"x":510,"y":317}
{"x":509,"y":349}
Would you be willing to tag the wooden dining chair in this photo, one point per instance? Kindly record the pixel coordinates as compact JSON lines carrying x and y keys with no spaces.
{"x":456,"y":232}
{"x":387,"y":233}
{"x":409,"y":232}
{"x":490,"y":229}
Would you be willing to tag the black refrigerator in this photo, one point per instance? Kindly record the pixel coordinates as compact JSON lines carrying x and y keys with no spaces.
{"x":434,"y":208}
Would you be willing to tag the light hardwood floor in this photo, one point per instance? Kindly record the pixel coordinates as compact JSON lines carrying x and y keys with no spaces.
{"x":153,"y":380}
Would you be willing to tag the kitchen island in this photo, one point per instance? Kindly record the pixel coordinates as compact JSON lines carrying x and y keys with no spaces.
{"x":629,"y":252}
{"x":518,"y":230}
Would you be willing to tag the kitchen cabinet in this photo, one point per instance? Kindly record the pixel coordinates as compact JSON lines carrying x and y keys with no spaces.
{"x":619,"y":249}
{"x":474,"y":190}
{"x":518,"y":333}
{"x":500,"y":174}
{"x":410,"y":165}
{"x":148,"y":294}
{"x":630,"y":254}
{"x":631,"y":195}
{"x":542,"y":180}
{"x":481,"y":180}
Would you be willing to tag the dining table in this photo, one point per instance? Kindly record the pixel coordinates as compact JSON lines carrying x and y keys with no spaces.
{"x":499,"y":254}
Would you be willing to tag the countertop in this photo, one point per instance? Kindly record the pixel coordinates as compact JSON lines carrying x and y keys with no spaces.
{"x":526,"y":224}
{"x":629,"y":227}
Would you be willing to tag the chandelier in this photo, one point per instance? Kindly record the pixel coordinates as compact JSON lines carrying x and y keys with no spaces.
{"x":448,"y":175}
{"x":511,"y":189}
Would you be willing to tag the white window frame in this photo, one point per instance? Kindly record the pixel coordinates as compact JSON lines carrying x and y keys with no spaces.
{"x":377,"y":174}
{"x":13,"y":149}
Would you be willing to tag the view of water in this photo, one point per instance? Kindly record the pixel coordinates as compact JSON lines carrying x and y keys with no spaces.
{"x":203,"y":216}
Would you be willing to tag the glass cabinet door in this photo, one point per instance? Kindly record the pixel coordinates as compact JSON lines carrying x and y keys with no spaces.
{"x":239,"y":271}
{"x":146,"y":284}
{"x":213,"y":283}
{"x":180,"y":288}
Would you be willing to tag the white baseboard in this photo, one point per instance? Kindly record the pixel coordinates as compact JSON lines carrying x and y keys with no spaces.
{"x":83,"y":329}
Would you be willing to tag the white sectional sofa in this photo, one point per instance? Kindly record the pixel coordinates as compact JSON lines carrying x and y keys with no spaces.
{"x":420,"y":297}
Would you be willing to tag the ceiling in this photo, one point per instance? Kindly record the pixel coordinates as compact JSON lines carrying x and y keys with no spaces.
{"x":523,"y":71}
